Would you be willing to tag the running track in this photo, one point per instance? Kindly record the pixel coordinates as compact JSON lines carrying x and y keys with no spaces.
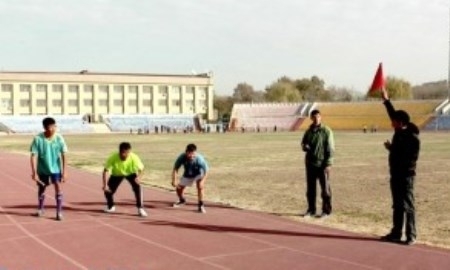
{"x":224,"y":238}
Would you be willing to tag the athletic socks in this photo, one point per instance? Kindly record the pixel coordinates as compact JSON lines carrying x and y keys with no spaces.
{"x":59,"y":199}
{"x":41,"y":200}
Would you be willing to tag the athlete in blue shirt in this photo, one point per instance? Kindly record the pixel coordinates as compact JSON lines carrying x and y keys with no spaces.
{"x":48,"y":163}
{"x":195,"y":170}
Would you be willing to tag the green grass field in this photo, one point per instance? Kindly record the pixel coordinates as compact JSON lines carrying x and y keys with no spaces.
{"x":265,"y":172}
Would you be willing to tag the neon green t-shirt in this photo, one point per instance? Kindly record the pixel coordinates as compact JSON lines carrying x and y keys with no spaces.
{"x":48,"y":152}
{"x":118,"y":167}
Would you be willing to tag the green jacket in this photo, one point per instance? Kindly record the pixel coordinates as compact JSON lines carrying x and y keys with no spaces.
{"x":318,"y":143}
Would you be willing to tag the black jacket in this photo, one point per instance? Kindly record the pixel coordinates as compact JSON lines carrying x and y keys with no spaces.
{"x":405,"y":147}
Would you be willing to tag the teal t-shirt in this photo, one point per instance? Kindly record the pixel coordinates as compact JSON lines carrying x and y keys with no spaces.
{"x":193,"y":168}
{"x":48,"y":152}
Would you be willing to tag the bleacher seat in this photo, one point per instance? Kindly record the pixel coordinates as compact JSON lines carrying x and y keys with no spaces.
{"x":33,"y":123}
{"x":125,"y":123}
{"x":265,"y":115}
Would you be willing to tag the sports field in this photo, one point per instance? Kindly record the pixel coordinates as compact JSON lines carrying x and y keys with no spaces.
{"x":265,"y":172}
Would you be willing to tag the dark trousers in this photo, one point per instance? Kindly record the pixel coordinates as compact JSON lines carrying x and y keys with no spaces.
{"x":402,"y":189}
{"x":113,"y":184}
{"x":312,"y":174}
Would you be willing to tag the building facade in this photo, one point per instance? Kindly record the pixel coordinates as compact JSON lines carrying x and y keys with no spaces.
{"x":93,"y":94}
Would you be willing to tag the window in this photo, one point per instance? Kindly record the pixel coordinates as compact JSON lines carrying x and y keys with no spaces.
{"x":41,"y":88}
{"x":7,"y":103}
{"x":57,"y":88}
{"x":73,"y":102}
{"x":57,"y":103}
{"x":162,"y":102}
{"x":189,"y":103}
{"x":132,"y":89}
{"x":203,"y":91}
{"x":118,"y":102}
{"x":176,"y":102}
{"x":132,"y":102}
{"x":103,"y":102}
{"x":176,"y":90}
{"x":147,"y":102}
{"x":103,"y":89}
{"x":25,"y":103}
{"x":162,"y":90}
{"x":41,"y":102}
{"x":118,"y":89}
{"x":190,"y":89}
{"x":147,"y":89}
{"x":202,"y":102}
{"x":88,"y":88}
{"x":88,"y":102}
{"x":7,"y":88}
{"x":73,"y":88}
{"x":25,"y":88}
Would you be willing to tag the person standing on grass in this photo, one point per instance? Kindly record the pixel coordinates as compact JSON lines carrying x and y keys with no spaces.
{"x":48,"y":164}
{"x":318,"y":143}
{"x":195,"y":170}
{"x":403,"y":155}
{"x":123,"y":165}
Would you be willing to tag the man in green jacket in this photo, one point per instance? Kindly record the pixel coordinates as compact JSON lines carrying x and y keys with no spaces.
{"x":318,"y":143}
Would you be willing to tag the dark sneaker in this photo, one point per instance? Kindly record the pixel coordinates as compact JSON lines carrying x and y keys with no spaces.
{"x":308,"y":214}
{"x":391,"y":238}
{"x":179,"y":203}
{"x":410,"y":241}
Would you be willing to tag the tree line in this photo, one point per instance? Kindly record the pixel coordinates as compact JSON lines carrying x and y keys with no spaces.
{"x":313,"y":89}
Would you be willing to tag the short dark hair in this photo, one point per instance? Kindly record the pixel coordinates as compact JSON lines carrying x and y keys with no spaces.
{"x":314,"y":112}
{"x":401,"y":116}
{"x":124,"y":146}
{"x":48,"y":121}
{"x":191,"y":147}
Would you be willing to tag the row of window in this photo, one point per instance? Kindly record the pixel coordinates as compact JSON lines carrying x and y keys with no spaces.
{"x":102,"y":102}
{"x":87,"y":88}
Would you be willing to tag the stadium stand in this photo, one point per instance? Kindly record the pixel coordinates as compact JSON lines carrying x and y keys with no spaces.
{"x":337,"y":115}
{"x":440,"y":122}
{"x":150,"y":123}
{"x":356,"y":115}
{"x":265,"y":116}
{"x":33,"y":124}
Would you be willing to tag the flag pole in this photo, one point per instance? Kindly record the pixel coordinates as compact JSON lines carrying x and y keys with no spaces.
{"x":448,"y":78}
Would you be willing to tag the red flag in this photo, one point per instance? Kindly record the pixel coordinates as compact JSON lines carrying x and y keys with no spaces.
{"x":378,"y":80}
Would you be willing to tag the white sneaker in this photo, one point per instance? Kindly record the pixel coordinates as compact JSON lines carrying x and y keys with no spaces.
{"x":59,"y":216}
{"x":201,"y":209}
{"x":141,"y":212}
{"x":110,"y":210}
{"x":40,"y":213}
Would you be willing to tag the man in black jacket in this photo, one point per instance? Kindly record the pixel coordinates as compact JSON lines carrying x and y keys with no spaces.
{"x":403,"y":154}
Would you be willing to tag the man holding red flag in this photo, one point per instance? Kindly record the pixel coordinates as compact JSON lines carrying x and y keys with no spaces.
{"x":403,"y":155}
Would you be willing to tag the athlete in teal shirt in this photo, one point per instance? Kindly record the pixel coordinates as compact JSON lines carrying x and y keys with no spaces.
{"x":48,"y":164}
{"x":195,"y":170}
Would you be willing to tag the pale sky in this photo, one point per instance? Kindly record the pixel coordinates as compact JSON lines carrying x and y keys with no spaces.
{"x":253,"y":41}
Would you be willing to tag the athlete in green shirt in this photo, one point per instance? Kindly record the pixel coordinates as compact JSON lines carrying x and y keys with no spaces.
{"x":123,"y":165}
{"x":318,"y":144}
{"x":48,"y":164}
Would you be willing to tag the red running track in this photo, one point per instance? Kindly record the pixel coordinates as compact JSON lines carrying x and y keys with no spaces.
{"x":174,"y":238}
